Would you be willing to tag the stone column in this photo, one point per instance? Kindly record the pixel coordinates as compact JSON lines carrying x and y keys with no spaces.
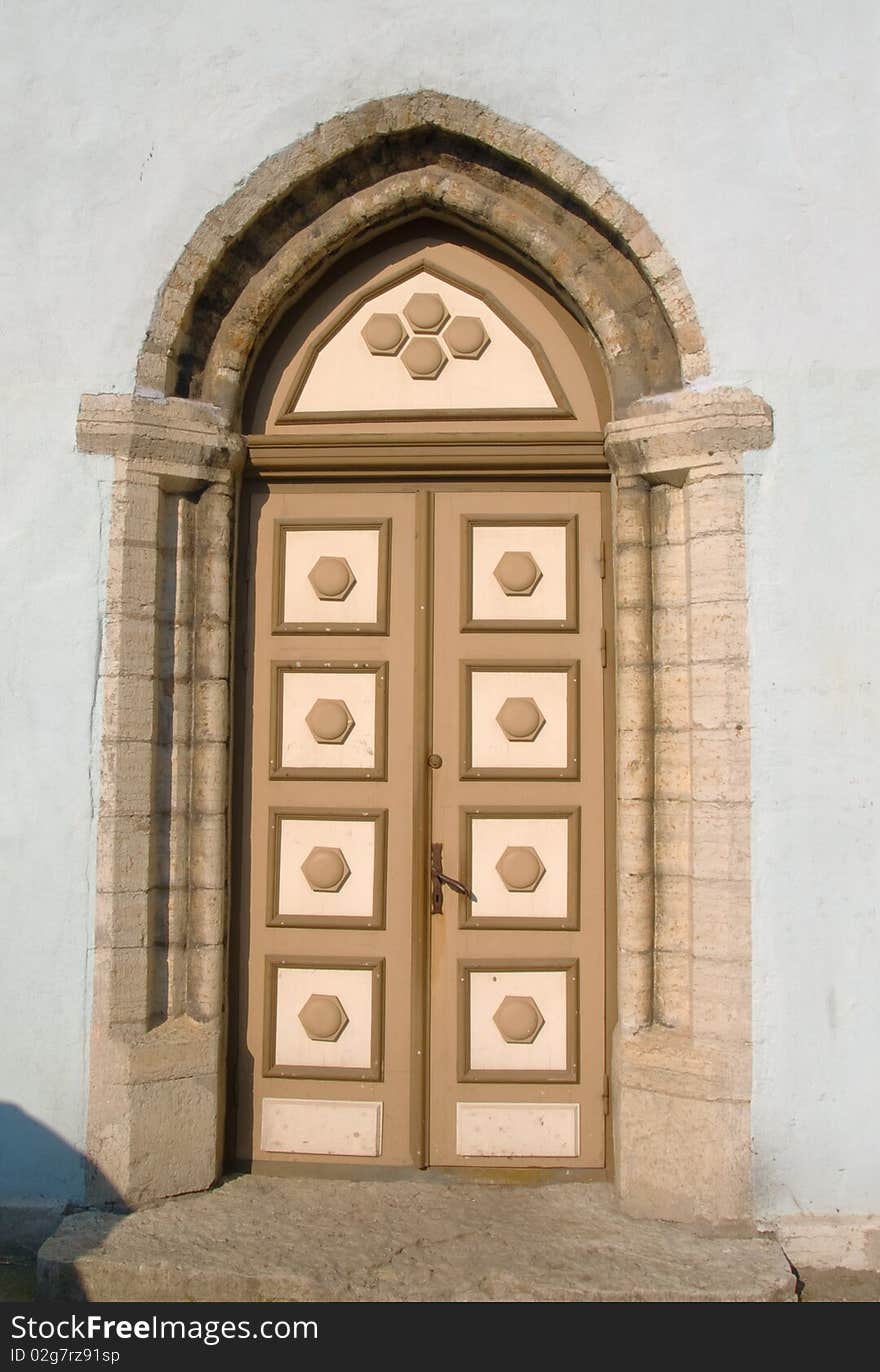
{"x":682,"y":1055}
{"x":156,"y":1068}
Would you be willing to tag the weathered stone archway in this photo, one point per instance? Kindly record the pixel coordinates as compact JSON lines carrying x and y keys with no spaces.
{"x":682,"y":1062}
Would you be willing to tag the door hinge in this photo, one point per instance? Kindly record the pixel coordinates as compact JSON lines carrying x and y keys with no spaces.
{"x":602,"y":559}
{"x":604,"y":647}
{"x":605,"y":1094}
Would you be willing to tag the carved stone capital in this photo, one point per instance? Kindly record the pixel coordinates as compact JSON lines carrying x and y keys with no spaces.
{"x":665,"y":437}
{"x":180,"y":441}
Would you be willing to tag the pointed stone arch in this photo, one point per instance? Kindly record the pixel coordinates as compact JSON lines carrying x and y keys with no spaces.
{"x":682,"y":1060}
{"x":362,"y":171}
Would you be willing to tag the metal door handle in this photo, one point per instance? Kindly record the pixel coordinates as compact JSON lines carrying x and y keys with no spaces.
{"x":439,"y":879}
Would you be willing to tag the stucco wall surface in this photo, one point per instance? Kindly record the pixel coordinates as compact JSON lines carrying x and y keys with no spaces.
{"x":748,"y":137}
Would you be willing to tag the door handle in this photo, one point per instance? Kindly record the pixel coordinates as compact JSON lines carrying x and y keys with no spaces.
{"x":439,"y":879}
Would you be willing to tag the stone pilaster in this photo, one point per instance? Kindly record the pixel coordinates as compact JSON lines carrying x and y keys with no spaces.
{"x":682,"y":1058}
{"x":156,"y":1070}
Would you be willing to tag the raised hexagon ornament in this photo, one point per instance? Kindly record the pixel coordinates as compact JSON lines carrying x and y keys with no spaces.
{"x":520,"y":869}
{"x":425,"y":312}
{"x":332,"y":578}
{"x":323,"y":1018}
{"x":325,"y":869}
{"x":423,"y":358}
{"x":518,"y":1019}
{"x":384,"y":334}
{"x":517,"y":573}
{"x":520,"y":719}
{"x":330,"y":721}
{"x":466,"y":337}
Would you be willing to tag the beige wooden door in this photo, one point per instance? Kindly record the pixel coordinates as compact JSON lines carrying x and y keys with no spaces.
{"x":518,"y":976}
{"x":373,"y":1031}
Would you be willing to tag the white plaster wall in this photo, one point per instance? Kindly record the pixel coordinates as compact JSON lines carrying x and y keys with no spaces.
{"x":748,"y":136}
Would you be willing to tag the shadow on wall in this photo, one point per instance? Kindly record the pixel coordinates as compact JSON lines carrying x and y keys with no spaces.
{"x":42,"y":1178}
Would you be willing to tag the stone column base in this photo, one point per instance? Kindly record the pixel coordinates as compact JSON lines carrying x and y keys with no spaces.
{"x":682,"y":1128}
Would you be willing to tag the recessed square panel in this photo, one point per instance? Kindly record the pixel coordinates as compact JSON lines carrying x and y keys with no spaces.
{"x":523,"y":867}
{"x":332,"y":577}
{"x":329,"y":720}
{"x":520,"y":720}
{"x":329,"y":869}
{"x":517,"y":1129}
{"x":340,"y":1128}
{"x":325,"y":1019}
{"x":520,"y":574}
{"x":518,"y":1022}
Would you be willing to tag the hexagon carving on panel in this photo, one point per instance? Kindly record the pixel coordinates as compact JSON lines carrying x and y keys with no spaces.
{"x":517,"y":573}
{"x":520,"y":719}
{"x":518,"y":1019}
{"x":325,"y":869}
{"x":324,"y":1018}
{"x":521,"y":869}
{"x":424,"y":359}
{"x":384,"y":334}
{"x":330,"y":721}
{"x":425,"y":312}
{"x":466,"y":337}
{"x":332,"y":578}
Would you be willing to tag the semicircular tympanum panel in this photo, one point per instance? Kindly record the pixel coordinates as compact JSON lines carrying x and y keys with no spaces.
{"x":428,"y":332}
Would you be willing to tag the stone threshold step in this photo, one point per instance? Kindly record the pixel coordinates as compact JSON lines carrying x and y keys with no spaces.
{"x":315,"y":1239}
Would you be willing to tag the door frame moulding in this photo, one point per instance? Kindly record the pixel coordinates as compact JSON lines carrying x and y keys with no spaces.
{"x":682,"y":1058}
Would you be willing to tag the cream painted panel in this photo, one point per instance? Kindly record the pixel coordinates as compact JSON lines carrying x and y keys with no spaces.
{"x":348,"y":1128}
{"x":549,"y":838}
{"x":489,"y":745}
{"x":300,"y":690}
{"x":346,"y":376}
{"x":489,"y":1051}
{"x":517,"y":1130}
{"x":356,"y":839}
{"x":353,"y":987}
{"x":547,"y":546}
{"x":303,"y":547}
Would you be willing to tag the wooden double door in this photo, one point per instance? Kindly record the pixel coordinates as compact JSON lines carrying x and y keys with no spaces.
{"x":421,"y":700}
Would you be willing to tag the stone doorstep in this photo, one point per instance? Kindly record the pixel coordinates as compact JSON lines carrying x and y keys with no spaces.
{"x":307,"y":1239}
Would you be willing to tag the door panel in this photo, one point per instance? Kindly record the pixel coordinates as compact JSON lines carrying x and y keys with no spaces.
{"x":517,"y":977}
{"x":329,"y":909}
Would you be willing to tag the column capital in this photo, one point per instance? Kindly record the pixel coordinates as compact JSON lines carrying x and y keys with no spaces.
{"x":665,"y":437}
{"x":181,"y":442}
